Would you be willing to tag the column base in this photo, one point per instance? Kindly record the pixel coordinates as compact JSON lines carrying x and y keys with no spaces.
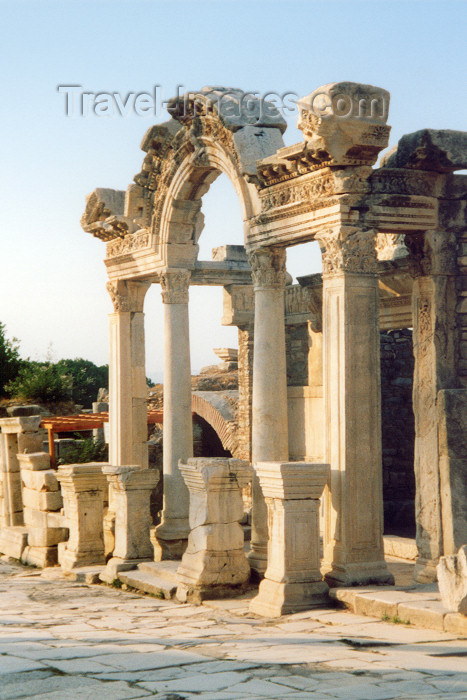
{"x":115,"y":565}
{"x":275,"y":599}
{"x":172,"y":539}
{"x":425,"y":570}
{"x":258,"y":560}
{"x":69,"y":560}
{"x":361,"y":574}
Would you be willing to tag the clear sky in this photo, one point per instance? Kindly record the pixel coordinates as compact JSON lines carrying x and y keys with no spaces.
{"x":52,"y":281}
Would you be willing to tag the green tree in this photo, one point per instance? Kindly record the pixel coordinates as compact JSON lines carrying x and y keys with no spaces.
{"x":40,"y":381}
{"x":10,"y":361}
{"x":85,"y":378}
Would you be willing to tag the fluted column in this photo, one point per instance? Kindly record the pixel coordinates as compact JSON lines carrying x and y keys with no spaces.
{"x":269,"y":412}
{"x":127,"y":374}
{"x":172,"y":533}
{"x":353,"y":528}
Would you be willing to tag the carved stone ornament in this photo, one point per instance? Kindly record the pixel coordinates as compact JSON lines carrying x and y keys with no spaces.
{"x":175,"y":285}
{"x":268,"y":268}
{"x":432,"y":253}
{"x":130,"y":243}
{"x":352,"y":252}
{"x":127,"y":296}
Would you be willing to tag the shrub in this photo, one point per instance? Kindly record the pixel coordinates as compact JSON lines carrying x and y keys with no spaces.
{"x":88,"y":450}
{"x":40,"y":381}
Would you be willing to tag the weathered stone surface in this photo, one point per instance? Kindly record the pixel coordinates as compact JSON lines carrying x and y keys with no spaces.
{"x":27,"y":410}
{"x":214,"y":560}
{"x":40,"y":480}
{"x":42,"y":500}
{"x":36,"y":461}
{"x":47,"y":537}
{"x":83,"y":488}
{"x":430,"y":149}
{"x":43,"y":520}
{"x":452,"y":580}
{"x":293,"y":579}
{"x":131,"y":488}
{"x":13,"y":540}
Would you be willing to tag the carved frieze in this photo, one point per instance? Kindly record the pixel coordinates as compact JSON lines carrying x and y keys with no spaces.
{"x":129,"y":244}
{"x":432,"y":253}
{"x":175,"y":286}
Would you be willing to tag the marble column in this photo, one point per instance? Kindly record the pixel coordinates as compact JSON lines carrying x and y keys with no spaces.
{"x":353,"y":502}
{"x":127,"y":374}
{"x":293,"y":580}
{"x":131,"y":491}
{"x":433,"y":265}
{"x":172,"y":533}
{"x":269,"y":411}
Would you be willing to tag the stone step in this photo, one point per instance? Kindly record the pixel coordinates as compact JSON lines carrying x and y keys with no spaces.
{"x":400,"y":547}
{"x":157,"y":578}
{"x":13,"y":541}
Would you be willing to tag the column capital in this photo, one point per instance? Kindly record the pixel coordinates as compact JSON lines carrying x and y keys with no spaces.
{"x":268,"y":268}
{"x":127,"y":295}
{"x":432,"y":253}
{"x":175,"y":286}
{"x":347,"y":249}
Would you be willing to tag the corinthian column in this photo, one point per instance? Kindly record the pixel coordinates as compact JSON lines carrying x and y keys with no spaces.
{"x":127,"y":374}
{"x":172,"y":533}
{"x":269,"y":411}
{"x":353,"y":530}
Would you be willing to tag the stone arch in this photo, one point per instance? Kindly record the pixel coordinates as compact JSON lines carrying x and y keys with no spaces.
{"x":189,"y":152}
{"x":219,"y":410}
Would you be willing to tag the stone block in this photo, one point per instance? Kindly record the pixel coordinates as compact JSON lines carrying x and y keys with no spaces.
{"x":455,"y":623}
{"x":206,"y":568}
{"x":41,"y":519}
{"x":30,"y":442}
{"x":47,"y":537}
{"x":39,"y":556}
{"x":27,"y":410}
{"x":13,"y":540}
{"x":452,"y":580}
{"x":429,"y":614}
{"x":40,"y":480}
{"x":441,"y":150}
{"x":36,"y":461}
{"x":42,"y":500}
{"x":215,"y":538}
{"x":20,"y":424}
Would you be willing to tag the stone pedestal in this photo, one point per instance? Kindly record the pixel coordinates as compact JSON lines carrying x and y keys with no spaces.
{"x":18,"y":434}
{"x":131,"y":490}
{"x":127,"y":375}
{"x":82,"y":488}
{"x":293,"y":580}
{"x":214,"y":563}
{"x":269,"y":411}
{"x":353,"y":503}
{"x":172,"y":533}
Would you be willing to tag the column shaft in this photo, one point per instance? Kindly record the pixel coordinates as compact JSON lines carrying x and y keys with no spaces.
{"x":173,"y":532}
{"x":353,"y":527}
{"x":269,"y":412}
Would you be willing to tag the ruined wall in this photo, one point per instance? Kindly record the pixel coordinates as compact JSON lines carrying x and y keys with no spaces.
{"x":398,"y":432}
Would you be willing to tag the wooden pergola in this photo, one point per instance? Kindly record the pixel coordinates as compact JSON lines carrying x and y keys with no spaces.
{"x":81,"y":422}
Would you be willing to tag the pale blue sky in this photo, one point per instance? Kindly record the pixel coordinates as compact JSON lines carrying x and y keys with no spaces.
{"x":52,"y":285}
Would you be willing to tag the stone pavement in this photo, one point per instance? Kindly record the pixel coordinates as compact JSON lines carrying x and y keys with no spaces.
{"x":64,"y":639}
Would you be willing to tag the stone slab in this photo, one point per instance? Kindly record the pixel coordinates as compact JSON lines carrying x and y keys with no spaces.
{"x":13,"y":540}
{"x":400,"y":547}
{"x":42,"y":500}
{"x":157,"y":582}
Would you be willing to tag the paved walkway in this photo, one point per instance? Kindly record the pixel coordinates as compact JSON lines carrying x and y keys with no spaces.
{"x":61,"y":639}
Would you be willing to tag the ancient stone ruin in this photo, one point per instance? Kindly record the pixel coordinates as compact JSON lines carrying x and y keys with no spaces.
{"x":307,"y":416}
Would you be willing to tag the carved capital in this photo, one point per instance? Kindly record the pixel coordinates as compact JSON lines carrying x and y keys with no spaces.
{"x":175,"y":285}
{"x":127,"y":295}
{"x":346,"y":250}
{"x":268,"y":268}
{"x":432,"y":253}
